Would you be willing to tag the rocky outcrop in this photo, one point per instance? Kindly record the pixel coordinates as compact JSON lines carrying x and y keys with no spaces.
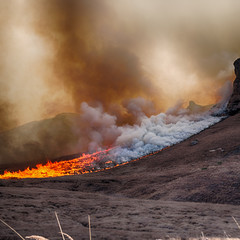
{"x":194,"y":108}
{"x":233,"y":106}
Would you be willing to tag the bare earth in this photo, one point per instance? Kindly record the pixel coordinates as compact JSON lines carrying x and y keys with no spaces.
{"x":179,"y":192}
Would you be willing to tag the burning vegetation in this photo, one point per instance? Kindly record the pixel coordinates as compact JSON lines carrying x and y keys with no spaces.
{"x":87,"y":163}
{"x":83,"y":164}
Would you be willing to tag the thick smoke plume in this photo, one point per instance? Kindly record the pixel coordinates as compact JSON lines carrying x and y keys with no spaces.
{"x":91,"y":67}
{"x":56,"y":54}
{"x":114,"y":63}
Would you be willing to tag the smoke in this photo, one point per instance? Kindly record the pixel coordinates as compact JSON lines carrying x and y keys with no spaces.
{"x":139,"y":108}
{"x":148,"y":135}
{"x":100,"y":127}
{"x":23,"y":63}
{"x":158,"y":132}
{"x":97,"y":129}
{"x":57,"y":54}
{"x":90,"y":67}
{"x":224,"y":94}
{"x":7,"y":119}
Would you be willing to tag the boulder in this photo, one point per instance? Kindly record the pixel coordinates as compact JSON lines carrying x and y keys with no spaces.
{"x":233,"y":106}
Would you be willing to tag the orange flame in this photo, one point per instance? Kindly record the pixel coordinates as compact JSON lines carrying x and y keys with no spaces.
{"x":87,"y":163}
{"x":84,"y":164}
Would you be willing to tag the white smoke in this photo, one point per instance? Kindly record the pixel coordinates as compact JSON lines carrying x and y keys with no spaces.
{"x":158,"y":132}
{"x":100,"y":126}
{"x":139,"y":107}
{"x":224,"y":93}
{"x":152,"y":134}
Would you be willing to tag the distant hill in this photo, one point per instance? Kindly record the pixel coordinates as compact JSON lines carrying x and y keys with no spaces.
{"x":39,"y":141}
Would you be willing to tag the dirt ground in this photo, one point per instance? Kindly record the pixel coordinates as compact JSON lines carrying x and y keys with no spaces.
{"x":179,"y":192}
{"x":31,"y":212}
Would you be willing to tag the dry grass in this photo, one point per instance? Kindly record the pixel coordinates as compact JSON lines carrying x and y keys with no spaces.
{"x":89,"y":227}
{"x":12,"y":229}
{"x":59,"y":226}
{"x":35,"y":237}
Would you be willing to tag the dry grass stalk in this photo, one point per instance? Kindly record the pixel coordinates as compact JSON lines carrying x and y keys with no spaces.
{"x":89,"y":224}
{"x":203,"y":237}
{"x":36,"y":237}
{"x":59,"y":226}
{"x":226,"y":235}
{"x":68,"y":236}
{"x":236,"y":222}
{"x":12,"y":229}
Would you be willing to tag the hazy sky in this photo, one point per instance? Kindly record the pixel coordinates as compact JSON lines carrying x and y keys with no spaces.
{"x":55,"y":54}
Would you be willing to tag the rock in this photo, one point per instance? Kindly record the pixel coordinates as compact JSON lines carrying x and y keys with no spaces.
{"x":233,"y":106}
{"x":194,"y":142}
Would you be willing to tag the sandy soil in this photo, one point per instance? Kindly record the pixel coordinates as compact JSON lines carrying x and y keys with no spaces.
{"x":181,"y":191}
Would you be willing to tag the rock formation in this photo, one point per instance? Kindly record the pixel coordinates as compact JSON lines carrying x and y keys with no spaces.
{"x":196,"y":108}
{"x":233,"y":106}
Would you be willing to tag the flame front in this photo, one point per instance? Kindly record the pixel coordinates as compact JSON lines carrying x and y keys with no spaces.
{"x":84,"y":164}
{"x":87,"y":163}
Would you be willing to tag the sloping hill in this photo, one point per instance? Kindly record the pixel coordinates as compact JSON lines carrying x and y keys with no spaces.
{"x":207,"y":171}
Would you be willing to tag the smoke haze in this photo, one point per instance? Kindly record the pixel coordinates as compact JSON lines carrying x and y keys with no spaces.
{"x":56,"y":54}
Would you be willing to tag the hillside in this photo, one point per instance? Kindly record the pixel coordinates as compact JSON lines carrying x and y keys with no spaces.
{"x":37,"y":142}
{"x":150,"y":196}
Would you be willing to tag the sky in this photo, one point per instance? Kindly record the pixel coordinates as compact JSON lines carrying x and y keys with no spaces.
{"x":57,"y":54}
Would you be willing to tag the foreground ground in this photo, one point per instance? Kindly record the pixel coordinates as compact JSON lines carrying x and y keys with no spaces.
{"x":31,"y":212}
{"x":190,"y":188}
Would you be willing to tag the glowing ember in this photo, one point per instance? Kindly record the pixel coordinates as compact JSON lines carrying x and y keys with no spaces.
{"x":84,"y":164}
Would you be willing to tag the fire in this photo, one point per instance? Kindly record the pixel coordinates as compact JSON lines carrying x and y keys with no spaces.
{"x":84,"y":164}
{"x":87,"y":163}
